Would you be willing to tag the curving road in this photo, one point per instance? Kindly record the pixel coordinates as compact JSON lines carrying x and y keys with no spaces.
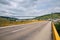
{"x":32,"y":31}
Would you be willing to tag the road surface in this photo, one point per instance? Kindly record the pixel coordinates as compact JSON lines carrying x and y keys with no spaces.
{"x":32,"y":31}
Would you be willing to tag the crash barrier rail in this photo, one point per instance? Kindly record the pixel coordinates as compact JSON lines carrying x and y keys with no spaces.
{"x":55,"y":33}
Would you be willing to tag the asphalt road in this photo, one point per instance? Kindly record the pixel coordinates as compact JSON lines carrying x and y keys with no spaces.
{"x":31,"y":31}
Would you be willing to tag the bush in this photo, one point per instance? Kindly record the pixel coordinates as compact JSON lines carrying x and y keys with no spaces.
{"x":58,"y":27}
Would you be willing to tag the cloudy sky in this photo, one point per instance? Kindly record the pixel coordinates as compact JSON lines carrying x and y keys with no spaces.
{"x":28,"y":7}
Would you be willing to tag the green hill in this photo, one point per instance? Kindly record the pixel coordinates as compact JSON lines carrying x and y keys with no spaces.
{"x":49,"y":16}
{"x":8,"y":18}
{"x":4,"y":21}
{"x":7,"y":21}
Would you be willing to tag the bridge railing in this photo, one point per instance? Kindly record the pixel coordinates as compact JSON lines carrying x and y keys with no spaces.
{"x":55,"y":33}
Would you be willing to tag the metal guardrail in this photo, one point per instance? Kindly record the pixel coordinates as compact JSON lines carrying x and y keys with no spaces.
{"x":55,"y":33}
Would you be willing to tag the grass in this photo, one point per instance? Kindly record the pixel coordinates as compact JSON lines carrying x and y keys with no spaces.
{"x":7,"y":21}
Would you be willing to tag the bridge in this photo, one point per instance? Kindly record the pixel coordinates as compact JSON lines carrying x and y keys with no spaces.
{"x":41,"y":30}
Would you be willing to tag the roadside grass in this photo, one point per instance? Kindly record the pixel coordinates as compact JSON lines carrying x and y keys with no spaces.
{"x":5,"y":22}
{"x":8,"y":22}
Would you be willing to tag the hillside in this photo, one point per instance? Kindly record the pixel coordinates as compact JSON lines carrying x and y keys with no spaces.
{"x":55,"y":16}
{"x":8,"y":18}
{"x":49,"y":16}
{"x":7,"y":21}
{"x":4,"y":21}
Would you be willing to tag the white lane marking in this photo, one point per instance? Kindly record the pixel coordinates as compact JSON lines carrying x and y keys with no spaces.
{"x":16,"y":30}
{"x":19,"y":29}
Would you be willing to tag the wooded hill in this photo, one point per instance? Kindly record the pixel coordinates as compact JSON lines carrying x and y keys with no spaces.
{"x":49,"y":16}
{"x":8,"y":18}
{"x":4,"y":21}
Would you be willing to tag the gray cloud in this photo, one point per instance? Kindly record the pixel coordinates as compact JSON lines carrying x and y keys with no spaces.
{"x":5,"y":2}
{"x":28,"y":7}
